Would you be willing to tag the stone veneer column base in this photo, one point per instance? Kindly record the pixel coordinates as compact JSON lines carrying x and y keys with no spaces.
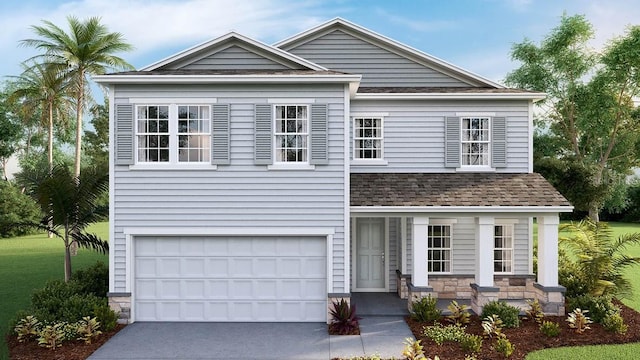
{"x":416,"y":293}
{"x":551,"y":299}
{"x":481,"y":295}
{"x":402,"y":284}
{"x":121,"y":304}
{"x":336,"y":297}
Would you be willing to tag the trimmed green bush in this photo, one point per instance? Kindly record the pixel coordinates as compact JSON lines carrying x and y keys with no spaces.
{"x":63,"y":302}
{"x":93,"y":279}
{"x":550,"y":328}
{"x":507,"y":313}
{"x":425,"y":310}
{"x":106,"y":317}
{"x":615,"y":323}
{"x":598,"y":306}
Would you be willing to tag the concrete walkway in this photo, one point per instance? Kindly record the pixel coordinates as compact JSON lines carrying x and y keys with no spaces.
{"x":141,"y":341}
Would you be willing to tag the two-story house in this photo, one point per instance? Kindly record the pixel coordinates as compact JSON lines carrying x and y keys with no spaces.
{"x":252,"y":182}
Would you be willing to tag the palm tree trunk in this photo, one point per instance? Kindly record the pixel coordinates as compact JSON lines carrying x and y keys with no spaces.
{"x":79,"y":110}
{"x":67,"y":259}
{"x":50,"y":152}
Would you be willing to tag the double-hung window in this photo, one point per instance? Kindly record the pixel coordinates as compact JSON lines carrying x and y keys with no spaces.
{"x":173,"y":133}
{"x":475,"y":141}
{"x":503,"y":249}
{"x":439,"y":249}
{"x":292,"y":133}
{"x":368,"y":138}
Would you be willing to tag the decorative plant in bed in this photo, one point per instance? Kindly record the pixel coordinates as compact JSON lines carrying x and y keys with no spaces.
{"x":344,"y":320}
{"x":500,"y":333}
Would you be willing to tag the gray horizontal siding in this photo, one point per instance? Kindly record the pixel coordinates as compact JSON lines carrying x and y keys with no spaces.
{"x":241,"y":194}
{"x":521,"y":247}
{"x":392,"y":256}
{"x":234,"y":58}
{"x":341,"y":51}
{"x":414,"y":132}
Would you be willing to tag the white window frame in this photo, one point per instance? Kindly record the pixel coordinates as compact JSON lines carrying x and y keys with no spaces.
{"x":489,"y":120}
{"x":356,"y":138}
{"x":139,"y":133}
{"x":274,"y":120}
{"x":173,"y":138}
{"x":441,"y":223}
{"x":508,"y":232}
{"x":206,"y":134}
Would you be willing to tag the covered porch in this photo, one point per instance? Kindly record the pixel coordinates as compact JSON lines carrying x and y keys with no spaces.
{"x":467,"y":237}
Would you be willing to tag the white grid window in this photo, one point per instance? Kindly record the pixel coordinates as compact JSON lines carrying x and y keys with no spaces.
{"x":503,"y":249}
{"x":475,"y":141}
{"x":194,"y":136}
{"x":153,"y":133}
{"x":291,"y":133}
{"x":439,"y":248}
{"x":368,"y":138}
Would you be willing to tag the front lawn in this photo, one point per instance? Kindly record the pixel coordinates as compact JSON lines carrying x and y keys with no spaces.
{"x":27,"y":263}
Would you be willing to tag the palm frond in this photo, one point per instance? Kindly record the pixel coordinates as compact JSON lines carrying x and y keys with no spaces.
{"x":90,"y":241}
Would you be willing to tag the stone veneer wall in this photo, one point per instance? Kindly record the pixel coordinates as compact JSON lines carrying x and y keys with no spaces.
{"x":121,"y":304}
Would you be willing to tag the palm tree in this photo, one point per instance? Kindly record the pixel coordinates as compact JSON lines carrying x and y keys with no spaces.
{"x":597,"y":260}
{"x":70,"y":207}
{"x":86,"y":50}
{"x":45,"y":86}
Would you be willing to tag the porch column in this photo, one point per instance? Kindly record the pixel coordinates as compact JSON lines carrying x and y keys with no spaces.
{"x":484,"y":250}
{"x":419,"y":276}
{"x":548,"y":250}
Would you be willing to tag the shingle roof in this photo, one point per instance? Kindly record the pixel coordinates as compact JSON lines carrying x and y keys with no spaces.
{"x":453,"y":189}
{"x":435,"y":90}
{"x":232,"y":72}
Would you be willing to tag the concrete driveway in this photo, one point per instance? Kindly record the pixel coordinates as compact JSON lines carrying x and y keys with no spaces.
{"x":300,"y":341}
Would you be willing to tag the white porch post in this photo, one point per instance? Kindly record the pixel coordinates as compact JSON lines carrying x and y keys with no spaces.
{"x":484,"y":250}
{"x":403,"y":244}
{"x":420,"y":228}
{"x":548,"y":250}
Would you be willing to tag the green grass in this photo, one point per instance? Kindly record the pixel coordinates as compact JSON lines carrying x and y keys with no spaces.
{"x":622,"y":352}
{"x":27,"y":263}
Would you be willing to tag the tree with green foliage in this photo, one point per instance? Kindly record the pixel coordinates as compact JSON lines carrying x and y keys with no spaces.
{"x":87,"y":49}
{"x":70,"y":206}
{"x":588,"y":121}
{"x":17,"y":211}
{"x":597,"y":262}
{"x":97,"y":141}
{"x":10,"y":134}
{"x":45,"y":87}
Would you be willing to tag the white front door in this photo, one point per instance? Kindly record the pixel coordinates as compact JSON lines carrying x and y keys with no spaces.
{"x":370,"y":256}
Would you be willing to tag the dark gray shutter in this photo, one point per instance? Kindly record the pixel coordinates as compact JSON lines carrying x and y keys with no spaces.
{"x":263,"y":137}
{"x":124,"y":134}
{"x":452,"y":142}
{"x":499,"y":142}
{"x":220,"y":134}
{"x":319,"y":135}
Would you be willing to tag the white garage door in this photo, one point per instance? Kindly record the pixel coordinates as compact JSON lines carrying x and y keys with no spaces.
{"x":230,"y":279}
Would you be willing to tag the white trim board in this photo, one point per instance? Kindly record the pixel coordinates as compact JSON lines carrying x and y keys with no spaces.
{"x":369,"y":210}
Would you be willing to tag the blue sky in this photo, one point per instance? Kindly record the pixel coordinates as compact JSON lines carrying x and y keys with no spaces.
{"x":474,"y":34}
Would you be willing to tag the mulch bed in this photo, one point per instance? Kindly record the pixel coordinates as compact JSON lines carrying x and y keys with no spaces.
{"x":333,"y":331}
{"x":70,"y":350}
{"x":528,"y":338}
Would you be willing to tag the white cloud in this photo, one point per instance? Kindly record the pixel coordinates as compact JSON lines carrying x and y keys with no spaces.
{"x":610,"y":19}
{"x":150,"y":26}
{"x":493,"y":64}
{"x":416,"y":25}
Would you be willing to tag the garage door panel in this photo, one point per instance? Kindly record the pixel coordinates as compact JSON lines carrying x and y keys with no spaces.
{"x":230,"y":279}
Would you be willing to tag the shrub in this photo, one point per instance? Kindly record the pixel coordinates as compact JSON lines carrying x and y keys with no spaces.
{"x":579,"y":321}
{"x":534,"y":311}
{"x":504,"y":346}
{"x":439,"y":333}
{"x":507,"y":313}
{"x":344,"y":320}
{"x":550,"y":328}
{"x":492,"y":325}
{"x":27,"y":328}
{"x":413,"y":349}
{"x":459,"y":313}
{"x":88,"y":328}
{"x":598,"y":306}
{"x":62,"y":302}
{"x":471,"y":343}
{"x":17,"y":211}
{"x":425,"y":310}
{"x":93,"y":279}
{"x":51,"y":336}
{"x":107,"y":317}
{"x":615,"y":323}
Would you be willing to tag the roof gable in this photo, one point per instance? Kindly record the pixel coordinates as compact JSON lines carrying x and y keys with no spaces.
{"x":414,"y":60}
{"x":233,"y":52}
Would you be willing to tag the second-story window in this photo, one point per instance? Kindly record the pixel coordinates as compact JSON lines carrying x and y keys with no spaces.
{"x":368,"y":138}
{"x":475,"y":141}
{"x":292,"y":133}
{"x":173,"y":133}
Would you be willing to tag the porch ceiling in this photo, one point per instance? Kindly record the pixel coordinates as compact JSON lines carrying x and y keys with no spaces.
{"x":454,"y":189}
